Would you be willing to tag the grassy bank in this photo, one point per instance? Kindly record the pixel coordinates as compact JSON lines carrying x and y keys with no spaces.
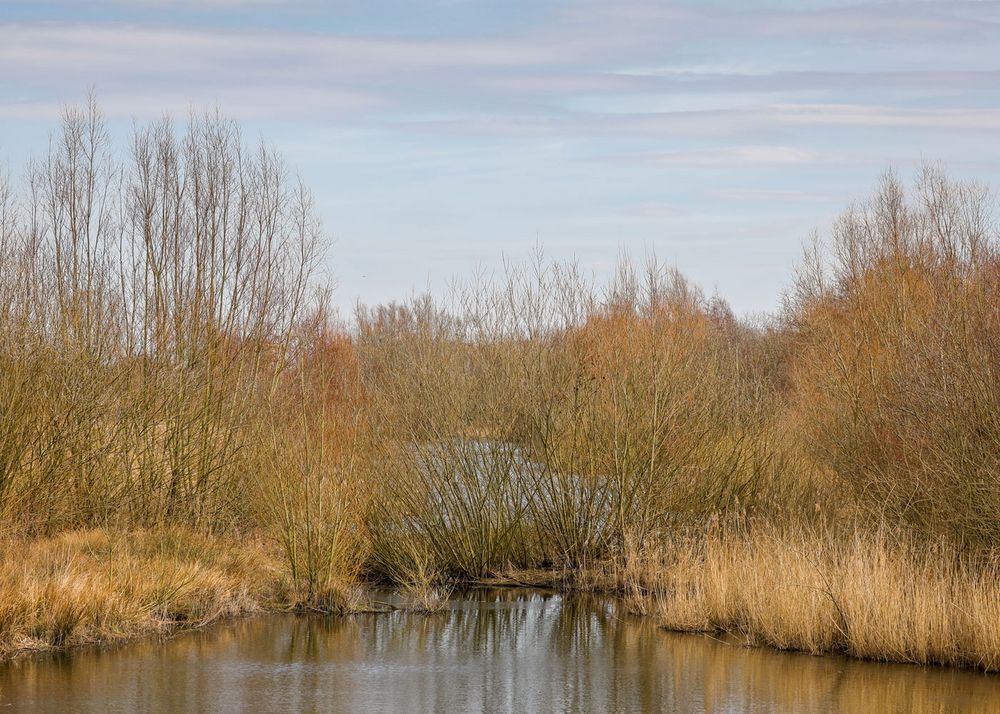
{"x":99,"y":587}
{"x":871,"y":594}
{"x":878,"y":596}
{"x":823,"y":478}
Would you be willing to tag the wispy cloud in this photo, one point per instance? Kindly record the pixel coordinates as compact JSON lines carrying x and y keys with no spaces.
{"x":971,"y":118}
{"x":733,"y":156}
{"x":111,"y":47}
{"x":564,"y":121}
{"x":783,"y":196}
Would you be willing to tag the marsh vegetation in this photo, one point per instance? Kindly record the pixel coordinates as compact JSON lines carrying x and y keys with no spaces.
{"x":187,"y":430}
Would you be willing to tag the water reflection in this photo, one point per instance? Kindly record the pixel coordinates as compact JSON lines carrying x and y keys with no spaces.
{"x":491,"y":651}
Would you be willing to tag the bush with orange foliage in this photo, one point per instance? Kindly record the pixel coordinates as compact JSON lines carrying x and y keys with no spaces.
{"x":660,"y":416}
{"x":895,"y":366}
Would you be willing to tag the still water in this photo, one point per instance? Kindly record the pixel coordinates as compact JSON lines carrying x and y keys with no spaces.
{"x":489,"y":651}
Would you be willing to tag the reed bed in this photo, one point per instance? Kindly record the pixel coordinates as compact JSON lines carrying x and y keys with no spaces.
{"x":879,"y":594}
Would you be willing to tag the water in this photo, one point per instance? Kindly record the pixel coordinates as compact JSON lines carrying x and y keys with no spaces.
{"x":489,"y":651}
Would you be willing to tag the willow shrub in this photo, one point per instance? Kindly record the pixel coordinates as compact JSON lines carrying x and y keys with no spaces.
{"x":533,"y":419}
{"x":896,"y":360}
{"x":147,"y":295}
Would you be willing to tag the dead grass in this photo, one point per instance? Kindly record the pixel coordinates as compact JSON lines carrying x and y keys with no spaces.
{"x":97,"y":586}
{"x":878,"y":595}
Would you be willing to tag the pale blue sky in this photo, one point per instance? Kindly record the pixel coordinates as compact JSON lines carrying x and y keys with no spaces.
{"x":440,"y":136}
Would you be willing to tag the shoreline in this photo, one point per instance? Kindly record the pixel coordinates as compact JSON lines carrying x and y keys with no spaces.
{"x":68,"y":599}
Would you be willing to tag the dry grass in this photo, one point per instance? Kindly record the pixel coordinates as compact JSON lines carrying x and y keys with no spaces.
{"x":876,"y":595}
{"x":97,"y":586}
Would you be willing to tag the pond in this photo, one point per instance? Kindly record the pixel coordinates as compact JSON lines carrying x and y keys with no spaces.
{"x":487,"y":651}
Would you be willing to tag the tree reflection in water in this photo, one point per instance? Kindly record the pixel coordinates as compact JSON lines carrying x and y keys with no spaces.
{"x":489,"y":651}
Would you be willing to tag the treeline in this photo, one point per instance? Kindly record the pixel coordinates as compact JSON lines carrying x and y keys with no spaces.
{"x":166,"y":359}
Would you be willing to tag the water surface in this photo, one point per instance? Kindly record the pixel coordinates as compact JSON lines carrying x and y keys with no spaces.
{"x":489,"y":651}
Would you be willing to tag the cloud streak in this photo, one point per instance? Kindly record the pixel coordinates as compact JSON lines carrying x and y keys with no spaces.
{"x":561,"y":121}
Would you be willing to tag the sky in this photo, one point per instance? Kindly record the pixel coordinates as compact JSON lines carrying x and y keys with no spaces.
{"x":442,"y":137}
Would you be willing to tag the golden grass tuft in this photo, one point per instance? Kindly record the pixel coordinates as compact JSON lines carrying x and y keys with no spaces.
{"x":879,"y":595}
{"x":98,"y":586}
